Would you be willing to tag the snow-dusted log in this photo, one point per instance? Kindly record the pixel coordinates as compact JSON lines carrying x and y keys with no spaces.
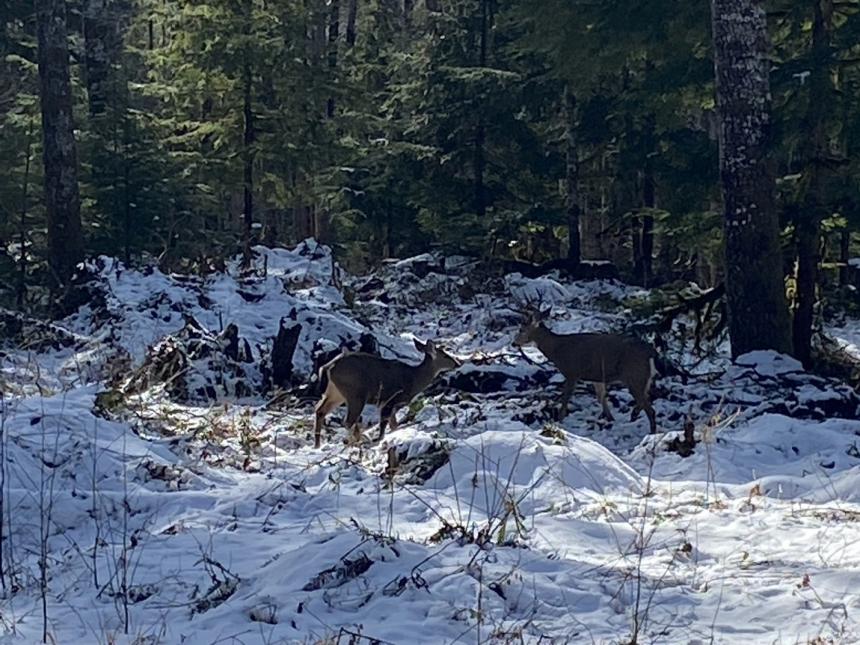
{"x":758,"y":315}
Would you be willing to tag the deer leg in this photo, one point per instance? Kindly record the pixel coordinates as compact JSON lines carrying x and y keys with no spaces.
{"x":353,"y":414}
{"x":643,"y":402}
{"x":387,"y":417}
{"x":600,"y":391}
{"x":330,"y":400}
{"x":566,"y":391}
{"x":652,"y":419}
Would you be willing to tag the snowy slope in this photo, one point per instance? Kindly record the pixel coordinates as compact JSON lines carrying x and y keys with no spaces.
{"x":169,"y":522}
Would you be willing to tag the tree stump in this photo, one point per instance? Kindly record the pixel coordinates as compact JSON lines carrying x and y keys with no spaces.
{"x":283,"y":349}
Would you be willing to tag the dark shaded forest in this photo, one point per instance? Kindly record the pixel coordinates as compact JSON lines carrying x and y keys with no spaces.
{"x":512,"y":130}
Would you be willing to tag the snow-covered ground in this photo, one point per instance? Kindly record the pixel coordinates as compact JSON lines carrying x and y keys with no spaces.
{"x":848,"y":337}
{"x":143,"y":518}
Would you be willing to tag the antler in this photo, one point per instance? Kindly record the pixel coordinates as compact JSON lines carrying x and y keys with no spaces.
{"x":533,"y":306}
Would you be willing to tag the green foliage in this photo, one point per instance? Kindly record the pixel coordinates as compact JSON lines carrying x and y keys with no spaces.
{"x":438,"y":128}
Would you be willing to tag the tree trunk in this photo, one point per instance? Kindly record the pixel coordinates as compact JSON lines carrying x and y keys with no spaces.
{"x":270,"y":235}
{"x":247,"y":147}
{"x":128,"y":198}
{"x":758,"y":316}
{"x":808,"y":222}
{"x":283,"y":350}
{"x":844,"y":256}
{"x":351,"y":17}
{"x":636,"y":242}
{"x":248,"y":163}
{"x":333,"y":34}
{"x":479,"y":161}
{"x":649,"y":203}
{"x":62,"y":200}
{"x":807,"y":265}
{"x":302,"y":222}
{"x":408,"y":7}
{"x":574,"y":249}
{"x":98,"y":46}
{"x":21,"y":292}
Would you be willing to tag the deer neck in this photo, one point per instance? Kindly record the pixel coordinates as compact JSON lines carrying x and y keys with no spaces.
{"x":547,"y":342}
{"x":424,"y":374}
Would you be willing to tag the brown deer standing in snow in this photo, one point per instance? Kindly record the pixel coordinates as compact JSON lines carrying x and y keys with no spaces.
{"x":357,"y":378}
{"x":598,"y":358}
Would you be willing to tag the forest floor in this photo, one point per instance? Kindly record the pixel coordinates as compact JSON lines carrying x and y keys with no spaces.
{"x":142,"y":503}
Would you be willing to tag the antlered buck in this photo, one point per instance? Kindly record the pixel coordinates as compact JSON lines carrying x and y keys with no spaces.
{"x":598,"y":358}
{"x":357,"y":378}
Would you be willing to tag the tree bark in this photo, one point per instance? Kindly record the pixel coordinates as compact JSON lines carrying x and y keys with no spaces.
{"x":333,"y":34}
{"x":479,"y":160}
{"x":62,"y":200}
{"x":21,"y":291}
{"x":351,"y":17}
{"x":283,"y":350}
{"x":247,"y":147}
{"x":808,"y":220}
{"x":758,"y":315}
{"x":574,"y":248}
{"x":99,"y":45}
{"x":844,"y":256}
{"x":408,"y":7}
{"x":807,"y":239}
{"x":649,"y":203}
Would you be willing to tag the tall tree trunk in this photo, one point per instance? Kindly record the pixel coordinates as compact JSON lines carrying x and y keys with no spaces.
{"x":649,"y":203}
{"x":574,"y":248}
{"x":479,"y":160}
{"x":247,"y":146}
{"x":758,"y":316}
{"x":808,"y":222}
{"x":629,"y":180}
{"x":98,"y":43}
{"x":62,"y":200}
{"x":248,"y":167}
{"x":333,"y":34}
{"x":270,"y":235}
{"x":844,"y":255}
{"x":351,"y":17}
{"x":126,"y":190}
{"x":408,"y":7}
{"x":21,"y":292}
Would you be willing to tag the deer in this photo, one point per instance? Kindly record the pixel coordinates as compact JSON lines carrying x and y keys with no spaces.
{"x":358,"y":378}
{"x":599,"y":358}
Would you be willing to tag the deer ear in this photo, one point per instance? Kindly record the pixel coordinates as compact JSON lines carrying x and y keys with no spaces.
{"x":430,"y":348}
{"x":421,"y":347}
{"x":543,"y":314}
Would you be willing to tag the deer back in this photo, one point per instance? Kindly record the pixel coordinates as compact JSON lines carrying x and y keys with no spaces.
{"x":596,"y":357}
{"x":371,"y":379}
